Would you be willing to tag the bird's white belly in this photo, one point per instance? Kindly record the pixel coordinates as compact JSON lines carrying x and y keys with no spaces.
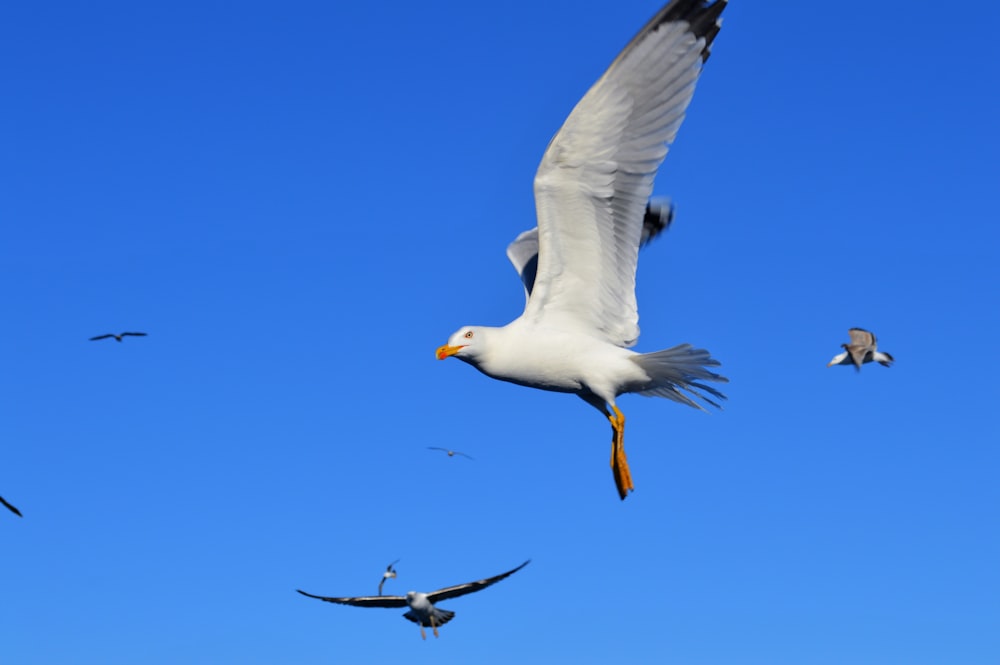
{"x":559,"y":362}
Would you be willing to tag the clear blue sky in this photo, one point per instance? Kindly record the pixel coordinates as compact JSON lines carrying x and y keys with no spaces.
{"x":301,"y":201}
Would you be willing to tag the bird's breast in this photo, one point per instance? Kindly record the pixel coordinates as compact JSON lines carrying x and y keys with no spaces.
{"x":543,"y":360}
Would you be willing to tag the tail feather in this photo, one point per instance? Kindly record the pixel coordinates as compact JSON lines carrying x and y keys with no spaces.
{"x":680,"y":368}
{"x":441,"y":617}
{"x":883,"y":358}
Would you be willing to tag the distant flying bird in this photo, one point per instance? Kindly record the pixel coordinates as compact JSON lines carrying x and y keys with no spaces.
{"x":862,"y":349}
{"x":451,"y":453}
{"x":422,"y":610}
{"x":10,"y":507}
{"x":592,"y":196}
{"x":119,"y":336}
{"x":389,"y":572}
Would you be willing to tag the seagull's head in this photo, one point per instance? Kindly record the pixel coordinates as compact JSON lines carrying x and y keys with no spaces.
{"x":839,"y":358}
{"x":467,"y":343}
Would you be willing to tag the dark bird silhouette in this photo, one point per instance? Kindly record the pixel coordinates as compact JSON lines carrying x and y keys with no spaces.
{"x":451,"y":453}
{"x":422,"y":610}
{"x":10,"y":507}
{"x":862,"y":349}
{"x":119,"y":336}
{"x":389,"y":572}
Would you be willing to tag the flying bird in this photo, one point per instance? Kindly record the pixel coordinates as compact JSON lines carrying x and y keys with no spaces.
{"x":422,"y":610}
{"x":862,"y":349}
{"x":451,"y":453}
{"x":119,"y":336}
{"x":10,"y":507}
{"x":592,"y":196}
{"x":389,"y":572}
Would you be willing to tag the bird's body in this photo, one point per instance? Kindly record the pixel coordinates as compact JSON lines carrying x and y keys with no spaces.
{"x":862,"y":349}
{"x":424,"y":613}
{"x":10,"y":507}
{"x":422,"y":610}
{"x":552,"y":360}
{"x":592,"y":194}
{"x":118,"y":336}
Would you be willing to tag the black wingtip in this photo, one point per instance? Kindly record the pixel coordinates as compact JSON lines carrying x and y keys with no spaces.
{"x":10,"y":507}
{"x":703,"y":17}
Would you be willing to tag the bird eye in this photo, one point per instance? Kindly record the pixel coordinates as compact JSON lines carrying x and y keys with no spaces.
{"x":468,"y":335}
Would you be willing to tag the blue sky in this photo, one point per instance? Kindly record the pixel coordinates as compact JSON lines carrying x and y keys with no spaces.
{"x":301,"y":201}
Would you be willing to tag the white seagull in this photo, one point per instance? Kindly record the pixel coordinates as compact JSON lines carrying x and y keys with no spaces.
{"x":389,"y":572}
{"x":422,"y":610}
{"x":862,"y":349}
{"x":592,"y":192}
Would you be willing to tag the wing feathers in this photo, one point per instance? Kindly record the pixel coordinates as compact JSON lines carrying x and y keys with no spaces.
{"x":597,"y":174}
{"x":362,"y":601}
{"x":471,"y":587}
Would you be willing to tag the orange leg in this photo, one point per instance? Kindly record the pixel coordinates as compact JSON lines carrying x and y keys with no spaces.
{"x":434,"y":626}
{"x":619,"y":463}
{"x":423,"y":635}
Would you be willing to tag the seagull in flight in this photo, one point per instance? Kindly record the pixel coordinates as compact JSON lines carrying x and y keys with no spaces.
{"x":10,"y":507}
{"x":389,"y":572}
{"x":592,"y":197}
{"x":451,"y":453}
{"x":862,"y":349}
{"x":422,"y":610}
{"x":119,"y":336}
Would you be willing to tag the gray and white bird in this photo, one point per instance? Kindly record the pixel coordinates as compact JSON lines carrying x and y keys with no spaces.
{"x":389,"y":572}
{"x":592,"y":197}
{"x":119,"y":336}
{"x":862,"y":349}
{"x":422,"y":610}
{"x":10,"y":507}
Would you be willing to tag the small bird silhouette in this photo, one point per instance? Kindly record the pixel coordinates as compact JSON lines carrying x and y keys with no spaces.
{"x":389,"y":572}
{"x":451,"y":453}
{"x":119,"y":336}
{"x":10,"y":507}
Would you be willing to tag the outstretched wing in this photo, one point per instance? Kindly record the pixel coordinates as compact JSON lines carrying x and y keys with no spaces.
{"x":133,"y":334}
{"x":471,"y":587}
{"x":10,"y":507}
{"x":363,"y":601}
{"x":94,"y":339}
{"x":597,"y":174}
{"x":862,"y":337}
{"x":523,"y":252}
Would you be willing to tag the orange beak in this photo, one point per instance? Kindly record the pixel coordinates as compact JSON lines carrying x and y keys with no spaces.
{"x":445,"y":351}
